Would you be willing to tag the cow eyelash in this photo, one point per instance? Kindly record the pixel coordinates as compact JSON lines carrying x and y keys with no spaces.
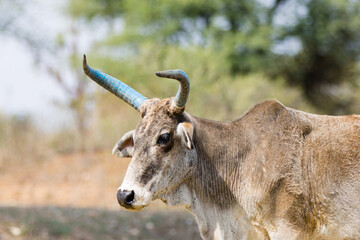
{"x":163,"y":138}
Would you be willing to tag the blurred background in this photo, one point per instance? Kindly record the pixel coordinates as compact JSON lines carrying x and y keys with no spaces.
{"x":58,"y":179}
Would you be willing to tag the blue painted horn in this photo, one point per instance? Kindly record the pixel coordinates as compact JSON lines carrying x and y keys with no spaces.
{"x":184,"y":88}
{"x":115,"y":86}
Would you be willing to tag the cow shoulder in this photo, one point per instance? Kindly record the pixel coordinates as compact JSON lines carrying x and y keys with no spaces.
{"x":277,"y":134}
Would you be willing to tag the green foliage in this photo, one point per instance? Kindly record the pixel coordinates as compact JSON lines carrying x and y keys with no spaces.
{"x":210,"y":98}
{"x":228,"y":39}
{"x":328,"y":61}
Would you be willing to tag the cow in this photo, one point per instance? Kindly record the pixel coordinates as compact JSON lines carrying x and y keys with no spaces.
{"x":275,"y":173}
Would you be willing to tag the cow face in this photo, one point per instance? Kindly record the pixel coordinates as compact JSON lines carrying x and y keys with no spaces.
{"x":162,"y":154}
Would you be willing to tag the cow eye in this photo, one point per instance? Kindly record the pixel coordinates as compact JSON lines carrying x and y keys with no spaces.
{"x":163,"y":138}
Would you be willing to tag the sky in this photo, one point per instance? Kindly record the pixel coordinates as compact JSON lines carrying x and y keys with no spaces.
{"x":25,"y":89}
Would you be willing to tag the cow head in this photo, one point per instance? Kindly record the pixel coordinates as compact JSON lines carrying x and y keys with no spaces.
{"x":161,"y":146}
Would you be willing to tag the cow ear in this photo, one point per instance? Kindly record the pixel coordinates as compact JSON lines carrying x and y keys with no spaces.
{"x":125,"y":146}
{"x":185,"y":131}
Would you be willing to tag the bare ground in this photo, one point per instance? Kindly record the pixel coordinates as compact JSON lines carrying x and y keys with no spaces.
{"x":74,"y":197}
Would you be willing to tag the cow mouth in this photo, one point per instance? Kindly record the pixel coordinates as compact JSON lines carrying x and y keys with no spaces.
{"x":133,"y":207}
{"x":129,"y":207}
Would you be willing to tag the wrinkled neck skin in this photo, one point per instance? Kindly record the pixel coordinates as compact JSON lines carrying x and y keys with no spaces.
{"x":206,"y":193}
{"x":213,"y":222}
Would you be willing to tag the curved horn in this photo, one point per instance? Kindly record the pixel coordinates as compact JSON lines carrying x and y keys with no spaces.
{"x":184,"y":88}
{"x":115,"y":86}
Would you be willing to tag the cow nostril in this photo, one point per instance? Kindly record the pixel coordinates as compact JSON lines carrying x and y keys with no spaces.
{"x":125,"y":198}
{"x":129,"y":198}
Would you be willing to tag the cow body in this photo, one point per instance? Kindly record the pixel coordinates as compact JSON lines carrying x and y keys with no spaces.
{"x":282,"y":173}
{"x":276,"y":173}
{"x":296,"y":175}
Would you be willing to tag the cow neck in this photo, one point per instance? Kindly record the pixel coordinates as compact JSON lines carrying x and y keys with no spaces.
{"x":216,"y":177}
{"x":219,"y":157}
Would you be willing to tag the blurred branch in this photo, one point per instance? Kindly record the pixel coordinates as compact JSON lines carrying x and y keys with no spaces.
{"x":17,"y":22}
{"x":59,"y":79}
{"x":273,"y":9}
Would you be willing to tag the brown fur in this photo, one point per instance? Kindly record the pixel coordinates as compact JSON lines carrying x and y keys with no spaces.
{"x":297,"y":161}
{"x":281,"y":166}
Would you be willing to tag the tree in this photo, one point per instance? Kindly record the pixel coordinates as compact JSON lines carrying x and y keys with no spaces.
{"x":59,"y":57}
{"x":326,"y":67}
{"x":77,"y":90}
{"x":17,"y":21}
{"x":246,"y":34}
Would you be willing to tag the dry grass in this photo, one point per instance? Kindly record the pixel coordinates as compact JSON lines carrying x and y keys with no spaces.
{"x":82,"y":190}
{"x":78,"y":180}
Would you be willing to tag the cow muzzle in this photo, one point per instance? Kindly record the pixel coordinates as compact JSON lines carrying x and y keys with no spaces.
{"x":125,"y":198}
{"x":133,"y":196}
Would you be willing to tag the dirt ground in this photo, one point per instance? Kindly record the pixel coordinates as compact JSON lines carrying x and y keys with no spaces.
{"x":79,"y":180}
{"x":74,"y":197}
{"x":93,"y":223}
